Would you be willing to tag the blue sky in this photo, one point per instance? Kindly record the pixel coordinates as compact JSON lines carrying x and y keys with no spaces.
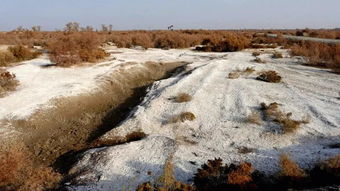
{"x":183,"y":14}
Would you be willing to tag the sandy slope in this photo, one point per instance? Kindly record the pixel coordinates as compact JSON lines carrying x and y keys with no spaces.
{"x":221,"y":106}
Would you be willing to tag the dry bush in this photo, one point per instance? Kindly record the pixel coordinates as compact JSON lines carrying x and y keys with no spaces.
{"x":331,"y":167}
{"x":248,"y":70}
{"x":256,"y":54}
{"x":272,"y":112}
{"x":318,"y":54}
{"x":21,"y":53}
{"x":241,"y":175}
{"x":183,"y":97}
{"x":16,"y":54}
{"x":259,"y":60}
{"x":277,"y":55}
{"x":18,"y":171}
{"x":255,"y":118}
{"x":234,"y":75}
{"x":75,"y":48}
{"x":269,"y":76}
{"x":289,"y":168}
{"x":8,"y":82}
{"x":261,"y":46}
{"x":237,"y":73}
{"x":291,"y":175}
{"x":6,"y":57}
{"x":184,"y":116}
{"x":133,"y":136}
{"x":245,"y":150}
{"x":215,"y":176}
{"x":167,"y":181}
{"x":228,"y":43}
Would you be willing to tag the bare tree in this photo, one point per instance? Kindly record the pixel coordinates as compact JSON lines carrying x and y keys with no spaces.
{"x":87,"y":29}
{"x":36,"y":28}
{"x":72,"y":27}
{"x":171,"y":27}
{"x":105,"y":28}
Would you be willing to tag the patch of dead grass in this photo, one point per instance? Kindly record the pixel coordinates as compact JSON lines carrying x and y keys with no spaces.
{"x":272,"y":112}
{"x":183,"y":97}
{"x":167,"y":181}
{"x":259,"y":60}
{"x":290,"y":171}
{"x":254,"y":117}
{"x":269,"y":76}
{"x":277,"y":55}
{"x":18,"y":171}
{"x":182,"y":117}
{"x":256,"y":54}
{"x":133,"y":136}
{"x":238,"y":73}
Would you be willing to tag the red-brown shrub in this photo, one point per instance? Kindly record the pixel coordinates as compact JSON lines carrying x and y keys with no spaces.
{"x":215,"y":176}
{"x":74,"y":48}
{"x":22,"y":53}
{"x":269,"y":76}
{"x":229,"y":42}
{"x":16,"y":54}
{"x":8,"y":82}
{"x":18,"y":172}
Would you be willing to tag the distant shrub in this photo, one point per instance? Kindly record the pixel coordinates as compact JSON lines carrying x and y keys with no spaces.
{"x":16,"y":54}
{"x":8,"y":82}
{"x":269,"y":76}
{"x":6,"y":57}
{"x":277,"y":55}
{"x":238,"y":72}
{"x":22,"y":53}
{"x":75,"y":48}
{"x":259,"y":60}
{"x":234,"y":75}
{"x":319,"y":54}
{"x":133,"y":136}
{"x":228,"y":43}
{"x":183,"y":97}
{"x":256,"y":54}
{"x":184,"y":116}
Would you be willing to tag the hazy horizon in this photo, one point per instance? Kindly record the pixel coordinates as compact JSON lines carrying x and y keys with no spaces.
{"x":188,"y":14}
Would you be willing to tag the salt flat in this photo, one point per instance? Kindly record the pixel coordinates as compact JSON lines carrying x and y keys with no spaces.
{"x":221,"y":106}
